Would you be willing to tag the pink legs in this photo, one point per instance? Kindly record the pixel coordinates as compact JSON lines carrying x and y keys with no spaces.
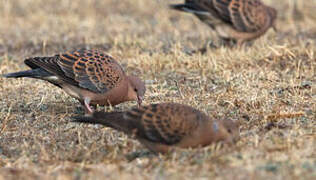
{"x":86,"y":105}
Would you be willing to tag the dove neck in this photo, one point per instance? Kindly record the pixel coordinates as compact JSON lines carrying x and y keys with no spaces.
{"x":266,"y":26}
{"x":214,"y":131}
{"x":131,"y":94}
{"x":249,"y":36}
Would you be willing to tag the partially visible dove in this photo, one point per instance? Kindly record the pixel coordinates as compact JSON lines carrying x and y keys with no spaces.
{"x":238,"y":20}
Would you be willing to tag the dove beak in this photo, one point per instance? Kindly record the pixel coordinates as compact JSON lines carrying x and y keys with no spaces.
{"x":275,"y":28}
{"x":139,"y":100}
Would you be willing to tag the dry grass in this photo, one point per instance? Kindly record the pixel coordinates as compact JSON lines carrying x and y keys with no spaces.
{"x":269,"y":87}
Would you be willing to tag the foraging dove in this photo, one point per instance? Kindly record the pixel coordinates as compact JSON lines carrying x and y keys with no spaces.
{"x":161,"y":127}
{"x":91,"y":76}
{"x":238,"y":20}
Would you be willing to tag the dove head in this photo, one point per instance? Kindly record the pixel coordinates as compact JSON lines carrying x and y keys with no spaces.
{"x":137,"y":89}
{"x":273,"y":15}
{"x":232,"y":127}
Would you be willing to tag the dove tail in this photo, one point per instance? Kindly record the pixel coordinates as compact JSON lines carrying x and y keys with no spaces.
{"x":34,"y":73}
{"x":188,"y":7}
{"x":191,"y":8}
{"x":113,"y":120}
{"x":179,"y":7}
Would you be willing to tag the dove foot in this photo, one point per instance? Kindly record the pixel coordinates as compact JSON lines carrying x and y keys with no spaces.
{"x":87,"y":108}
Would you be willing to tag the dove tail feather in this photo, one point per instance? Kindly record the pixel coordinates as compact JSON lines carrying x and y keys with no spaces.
{"x":188,"y":7}
{"x":113,"y":120}
{"x":180,"y":7}
{"x":34,"y":73}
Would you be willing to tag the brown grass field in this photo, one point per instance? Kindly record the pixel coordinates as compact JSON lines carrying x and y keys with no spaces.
{"x":269,"y":86}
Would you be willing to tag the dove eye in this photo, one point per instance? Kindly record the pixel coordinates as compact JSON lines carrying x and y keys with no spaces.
{"x":229,"y":130}
{"x":135,"y":90}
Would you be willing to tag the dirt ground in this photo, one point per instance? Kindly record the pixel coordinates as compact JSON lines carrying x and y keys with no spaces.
{"x":269,"y":86}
